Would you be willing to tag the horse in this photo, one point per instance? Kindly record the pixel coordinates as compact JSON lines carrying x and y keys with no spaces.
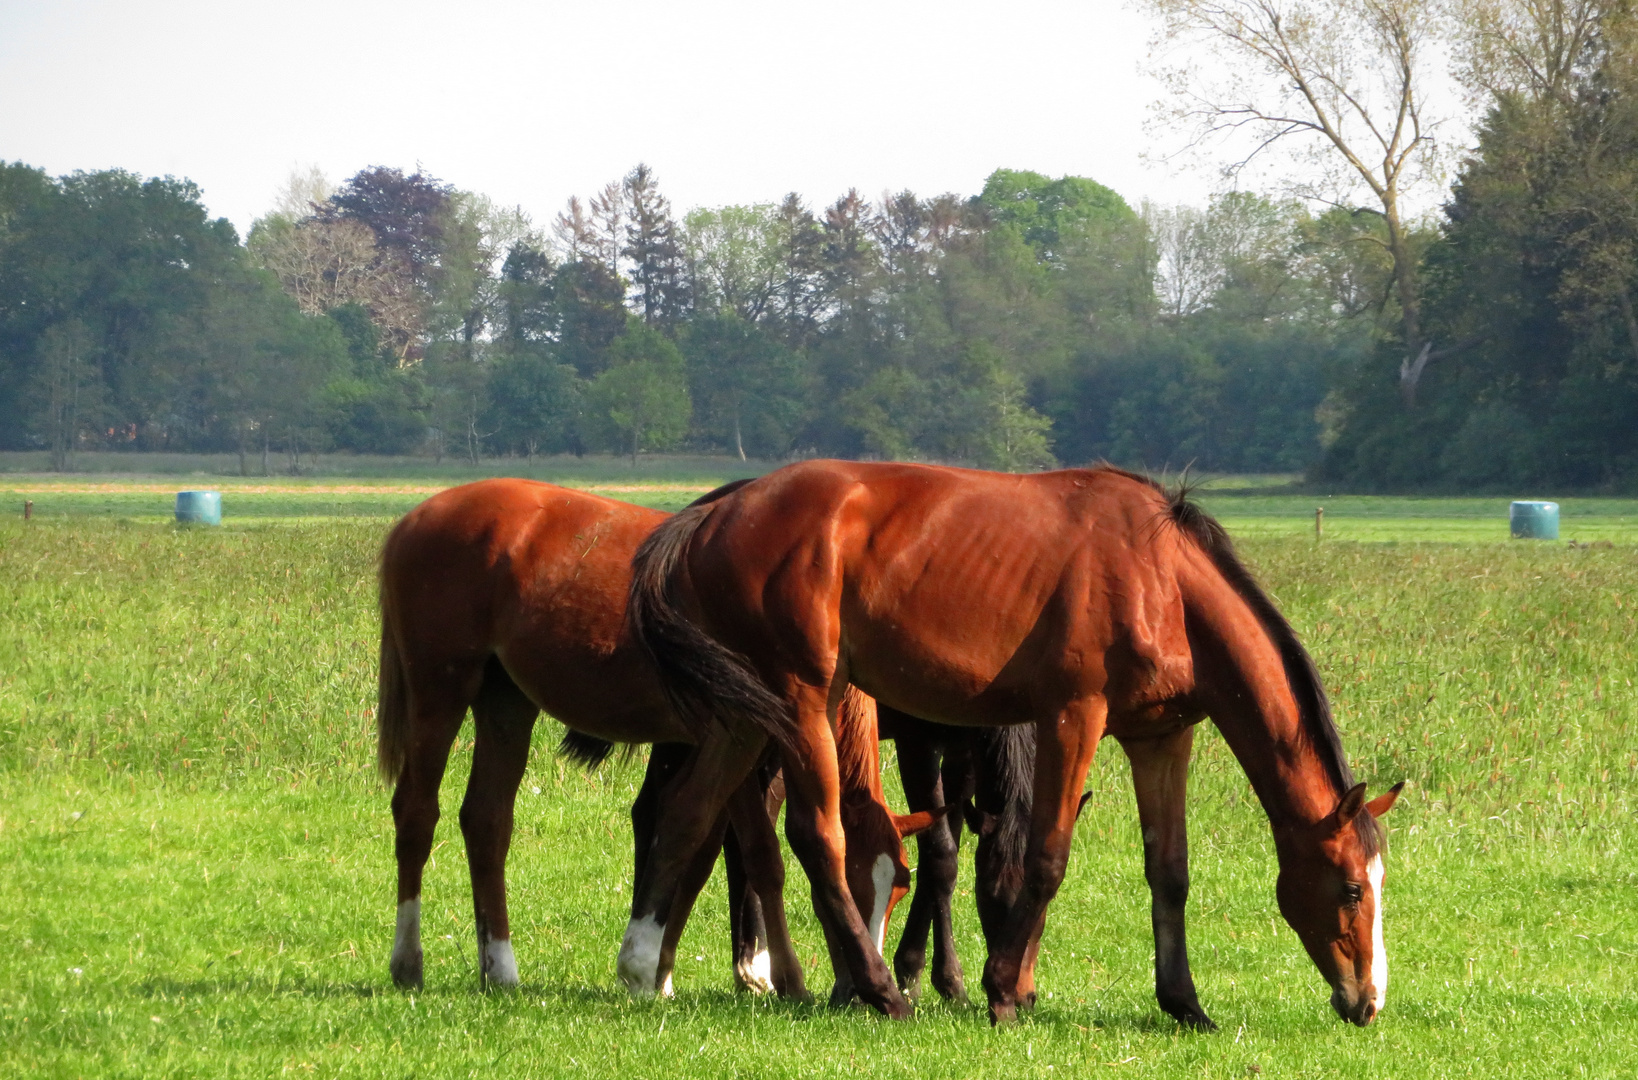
{"x":508,"y":597}
{"x":1084,"y":602}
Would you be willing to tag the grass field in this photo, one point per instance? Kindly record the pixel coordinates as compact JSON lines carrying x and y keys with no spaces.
{"x":198,"y":867}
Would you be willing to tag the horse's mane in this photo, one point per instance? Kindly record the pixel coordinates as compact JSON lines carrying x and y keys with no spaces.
{"x":1313,"y":707}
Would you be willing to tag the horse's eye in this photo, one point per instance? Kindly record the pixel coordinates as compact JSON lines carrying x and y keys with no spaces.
{"x":1352,"y":892}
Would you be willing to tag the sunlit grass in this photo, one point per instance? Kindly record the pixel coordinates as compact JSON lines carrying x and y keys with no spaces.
{"x":198,"y":870}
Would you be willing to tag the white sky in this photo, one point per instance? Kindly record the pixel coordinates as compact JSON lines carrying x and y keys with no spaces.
{"x":530,"y":103}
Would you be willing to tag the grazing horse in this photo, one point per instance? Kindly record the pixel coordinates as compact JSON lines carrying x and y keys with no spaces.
{"x":508,"y":597}
{"x":1083,"y":602}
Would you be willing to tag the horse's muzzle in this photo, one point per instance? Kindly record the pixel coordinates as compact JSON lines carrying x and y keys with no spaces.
{"x":1358,"y":1007}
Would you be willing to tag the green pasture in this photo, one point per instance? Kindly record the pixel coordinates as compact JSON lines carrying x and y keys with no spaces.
{"x":198,"y":860}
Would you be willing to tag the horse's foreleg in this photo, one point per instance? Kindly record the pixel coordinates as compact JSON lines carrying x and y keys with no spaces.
{"x":689,"y":811}
{"x":1160,"y":774}
{"x":415,"y":820}
{"x":504,"y":719}
{"x":813,"y":822}
{"x":1064,"y":748}
{"x":956,"y":785}
{"x":936,"y":868}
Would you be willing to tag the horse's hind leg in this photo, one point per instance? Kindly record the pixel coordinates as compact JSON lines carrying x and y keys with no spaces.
{"x":936,"y":868}
{"x":504,"y":719}
{"x":689,"y":813}
{"x":665,"y":760}
{"x":434,"y":720}
{"x":747,"y":931}
{"x":752,"y":809}
{"x":689,"y":887}
{"x":1160,"y":775}
{"x":813,"y":823}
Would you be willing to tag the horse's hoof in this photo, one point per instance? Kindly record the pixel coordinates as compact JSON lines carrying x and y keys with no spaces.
{"x":1190,"y":1015}
{"x":897,"y":1009}
{"x":406,"y":970}
{"x":951,"y":988}
{"x":842,"y":996}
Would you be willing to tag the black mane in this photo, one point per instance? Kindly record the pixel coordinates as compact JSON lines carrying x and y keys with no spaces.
{"x":1313,"y":706}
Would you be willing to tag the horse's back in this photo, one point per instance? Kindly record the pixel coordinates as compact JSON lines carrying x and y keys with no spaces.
{"x":959,"y":594}
{"x":532,"y":573}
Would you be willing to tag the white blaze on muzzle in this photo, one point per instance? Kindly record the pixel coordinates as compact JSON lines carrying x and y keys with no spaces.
{"x":1379,"y":951}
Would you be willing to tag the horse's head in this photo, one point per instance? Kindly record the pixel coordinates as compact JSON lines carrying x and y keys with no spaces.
{"x":877,"y":874}
{"x":1330,"y":891}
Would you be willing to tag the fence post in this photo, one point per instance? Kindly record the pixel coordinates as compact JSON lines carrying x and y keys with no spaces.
{"x":1319,"y":523}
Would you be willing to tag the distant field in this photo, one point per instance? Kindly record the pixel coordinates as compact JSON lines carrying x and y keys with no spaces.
{"x":198,"y":866}
{"x":1250,"y":505}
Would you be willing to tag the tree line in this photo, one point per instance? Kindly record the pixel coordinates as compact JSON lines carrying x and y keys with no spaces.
{"x":1042,"y":320}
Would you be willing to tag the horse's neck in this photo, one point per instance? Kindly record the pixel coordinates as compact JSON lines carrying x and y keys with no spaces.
{"x":1291,"y":780}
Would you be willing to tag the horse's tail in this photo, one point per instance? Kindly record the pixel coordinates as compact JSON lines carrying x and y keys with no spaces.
{"x":703,"y":678}
{"x":392,"y":702}
{"x":1004,"y":771}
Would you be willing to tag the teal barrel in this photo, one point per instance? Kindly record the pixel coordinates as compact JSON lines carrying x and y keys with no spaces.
{"x":1534,"y":520}
{"x":203,"y":507}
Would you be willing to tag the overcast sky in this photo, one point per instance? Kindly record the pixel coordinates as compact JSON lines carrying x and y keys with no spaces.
{"x":530,"y":103}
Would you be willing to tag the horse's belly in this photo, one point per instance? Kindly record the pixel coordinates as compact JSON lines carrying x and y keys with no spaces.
{"x":599,"y":696}
{"x":947,"y":686}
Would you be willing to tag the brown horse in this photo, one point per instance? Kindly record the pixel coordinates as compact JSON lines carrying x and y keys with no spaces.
{"x":508,"y":597}
{"x":1084,"y":602}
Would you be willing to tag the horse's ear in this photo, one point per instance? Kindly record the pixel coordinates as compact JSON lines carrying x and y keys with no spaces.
{"x":911,"y":824}
{"x":974,"y":820}
{"x":1384,"y":802}
{"x":1350,"y":806}
{"x":1086,"y":798}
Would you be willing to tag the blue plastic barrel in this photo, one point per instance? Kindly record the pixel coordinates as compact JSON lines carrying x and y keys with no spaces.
{"x":1533,"y":520}
{"x":203,"y":507}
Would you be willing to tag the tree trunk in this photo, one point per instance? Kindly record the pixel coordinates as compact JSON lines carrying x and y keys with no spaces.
{"x":242,"y":433}
{"x":1410,"y":305}
{"x":738,"y":443}
{"x":267,"y":443}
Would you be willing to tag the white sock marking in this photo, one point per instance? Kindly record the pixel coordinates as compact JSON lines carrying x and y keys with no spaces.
{"x":756,"y":973}
{"x":1379,"y":950}
{"x":500,"y":967}
{"x":406,"y":940}
{"x":881,"y":878}
{"x":639,"y":964}
{"x":666,"y":990}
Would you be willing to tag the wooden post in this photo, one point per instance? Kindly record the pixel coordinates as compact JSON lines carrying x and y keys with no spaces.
{"x":1319,"y":523}
{"x":28,"y":509}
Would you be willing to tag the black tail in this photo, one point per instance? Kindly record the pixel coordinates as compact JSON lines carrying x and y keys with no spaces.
{"x":703,"y":678}
{"x":587,"y":751}
{"x":1004,"y":771}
